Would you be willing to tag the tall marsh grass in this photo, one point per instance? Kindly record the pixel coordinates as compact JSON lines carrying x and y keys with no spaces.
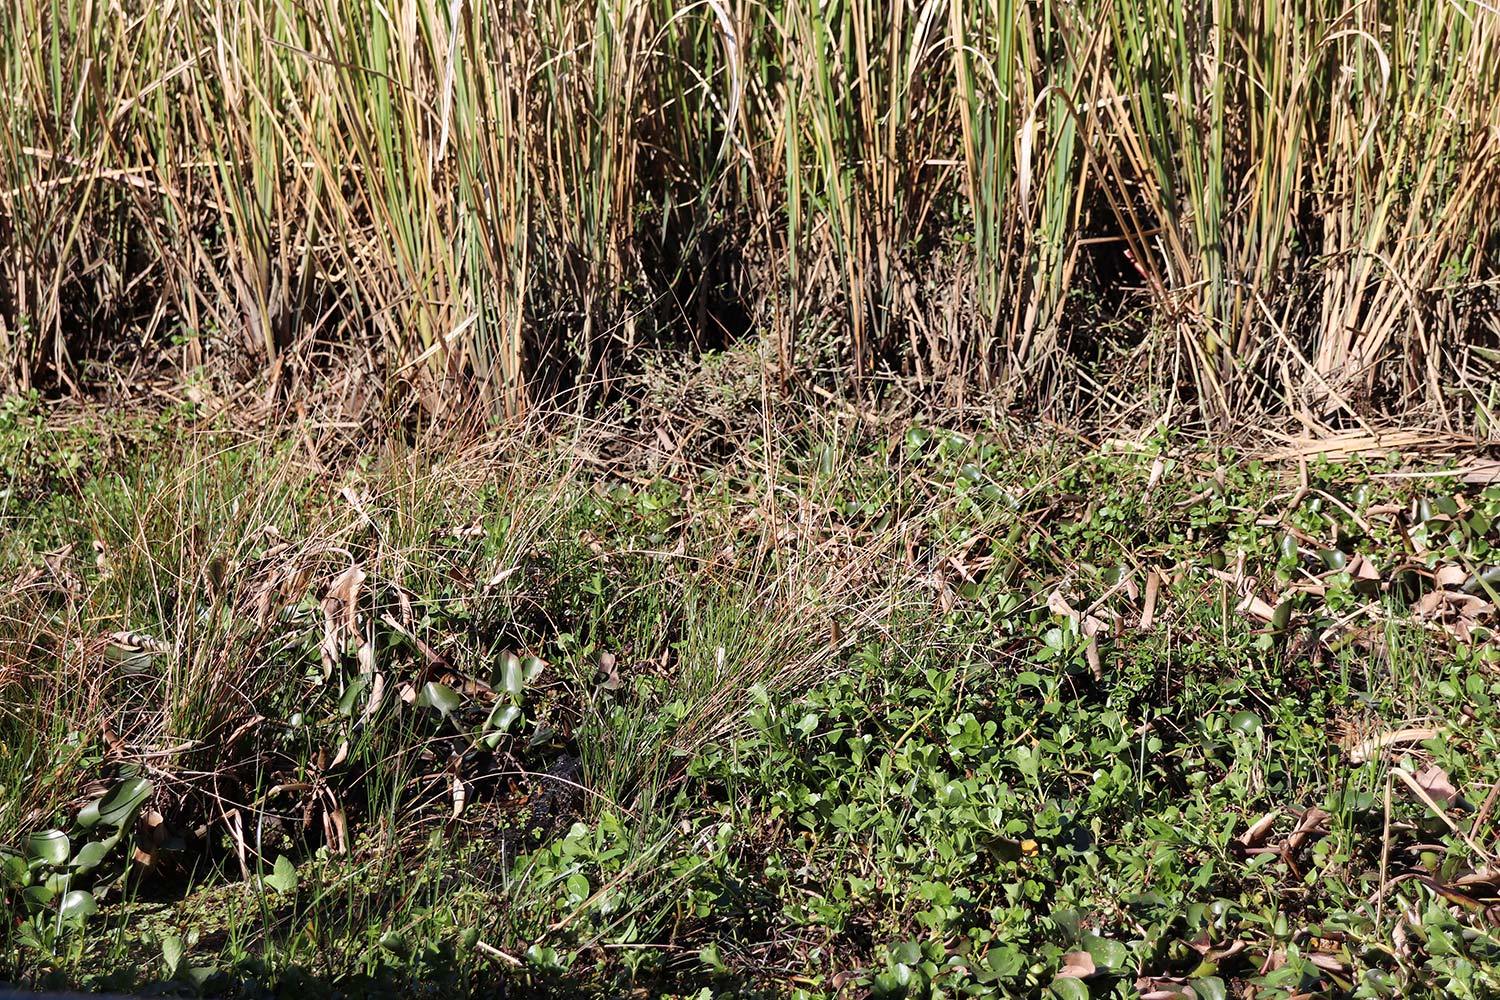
{"x":1294,"y":199}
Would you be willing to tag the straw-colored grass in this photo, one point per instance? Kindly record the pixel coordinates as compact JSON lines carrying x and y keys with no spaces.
{"x":1292,"y":200}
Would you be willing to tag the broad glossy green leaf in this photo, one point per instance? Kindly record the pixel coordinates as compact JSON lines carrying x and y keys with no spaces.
{"x":90,"y":855}
{"x":502,"y":718}
{"x":50,"y":846}
{"x":439,"y":696}
{"x":1108,"y":955}
{"x":1068,"y":988}
{"x":512,"y":677}
{"x":119,"y":804}
{"x":78,"y":904}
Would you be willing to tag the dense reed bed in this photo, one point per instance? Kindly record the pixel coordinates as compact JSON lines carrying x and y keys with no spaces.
{"x":1288,"y":204}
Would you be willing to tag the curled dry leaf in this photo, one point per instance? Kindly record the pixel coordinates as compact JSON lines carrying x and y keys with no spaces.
{"x":377,"y":695}
{"x":1435,"y":782}
{"x":1367,"y":749}
{"x":1148,"y":613}
{"x":1457,"y":612}
{"x":345,"y":588}
{"x":460,"y":796}
{"x":1164,"y":988}
{"x":1077,"y":965}
{"x":1089,"y":625}
{"x":1328,"y":963}
{"x":1365,"y":577}
{"x":1256,"y":834}
{"x":1314,"y":822}
{"x":1481,"y":881}
{"x":1255,"y":606}
{"x":1450,"y":577}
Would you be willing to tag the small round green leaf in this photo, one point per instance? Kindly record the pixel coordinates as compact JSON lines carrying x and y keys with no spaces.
{"x":1246,"y":722}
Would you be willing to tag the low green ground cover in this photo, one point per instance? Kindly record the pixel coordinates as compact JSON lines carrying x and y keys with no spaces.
{"x":860,"y":710}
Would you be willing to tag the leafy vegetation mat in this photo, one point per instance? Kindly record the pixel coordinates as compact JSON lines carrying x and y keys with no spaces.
{"x":855,"y":712}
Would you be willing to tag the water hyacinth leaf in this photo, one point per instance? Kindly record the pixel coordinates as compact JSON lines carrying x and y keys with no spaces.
{"x":90,"y":855}
{"x":439,"y":696}
{"x":502,"y":718}
{"x":116,"y":806}
{"x":511,"y":676}
{"x":49,"y":847}
{"x":78,"y":904}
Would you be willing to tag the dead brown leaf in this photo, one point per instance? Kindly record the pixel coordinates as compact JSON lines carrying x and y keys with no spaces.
{"x":1255,"y":835}
{"x":1400,"y":737}
{"x":1435,"y":782}
{"x":1077,"y":965}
